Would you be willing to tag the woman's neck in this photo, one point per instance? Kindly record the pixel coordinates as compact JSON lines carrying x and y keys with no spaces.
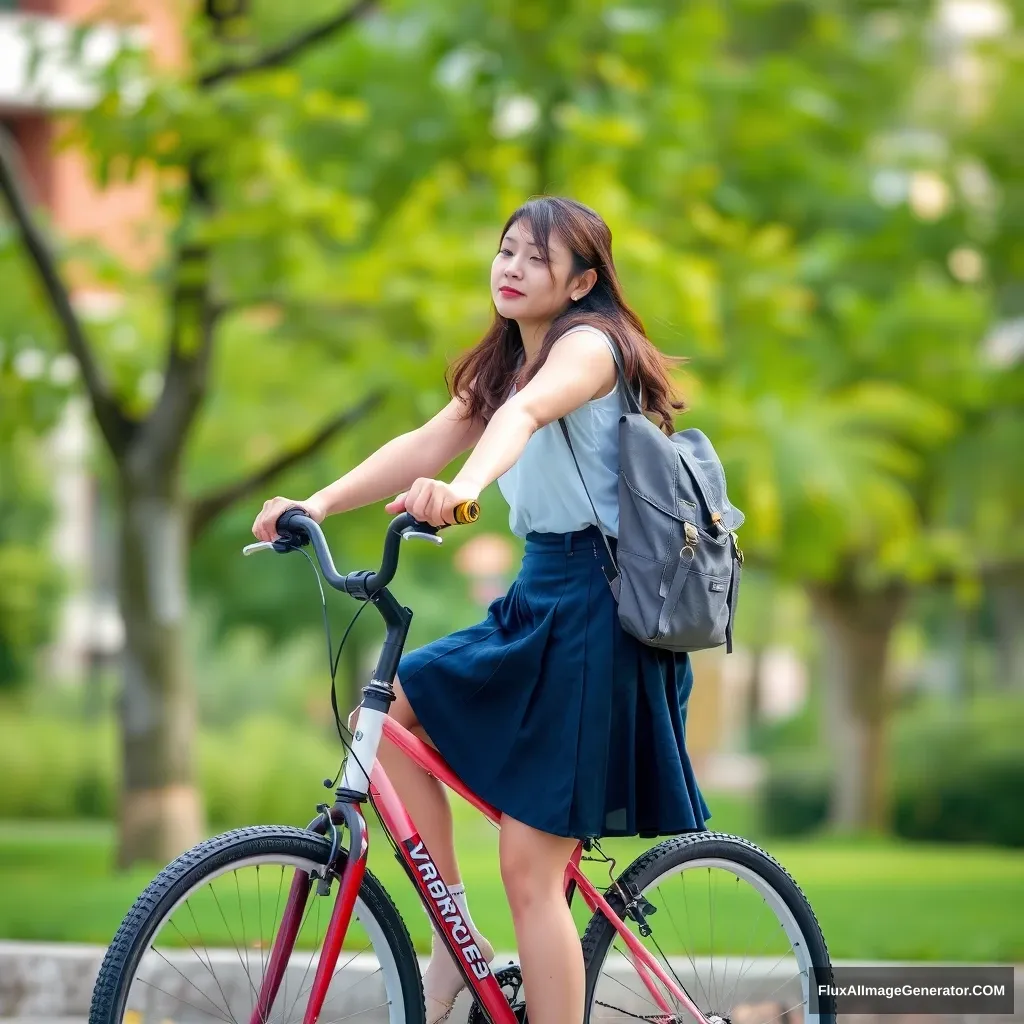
{"x":532,"y":335}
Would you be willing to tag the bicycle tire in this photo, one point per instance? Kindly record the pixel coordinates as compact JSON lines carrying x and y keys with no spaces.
{"x":661,"y":860}
{"x":184,"y":874}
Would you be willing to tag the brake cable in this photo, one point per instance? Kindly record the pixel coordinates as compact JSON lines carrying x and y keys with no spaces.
{"x":333,"y":660}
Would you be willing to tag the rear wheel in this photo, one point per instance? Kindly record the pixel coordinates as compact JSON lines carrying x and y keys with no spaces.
{"x":727,"y":923}
{"x":196,"y":945}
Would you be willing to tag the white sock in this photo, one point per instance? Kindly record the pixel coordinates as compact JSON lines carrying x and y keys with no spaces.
{"x":442,"y":980}
{"x":459,"y":895}
{"x":437,"y":945}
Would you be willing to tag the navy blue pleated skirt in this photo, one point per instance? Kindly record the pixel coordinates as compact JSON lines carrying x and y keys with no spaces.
{"x":552,"y":713}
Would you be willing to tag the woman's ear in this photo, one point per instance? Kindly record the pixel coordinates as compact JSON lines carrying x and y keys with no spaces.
{"x":583,"y":284}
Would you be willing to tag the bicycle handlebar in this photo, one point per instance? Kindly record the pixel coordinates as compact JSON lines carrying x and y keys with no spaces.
{"x":295,"y":528}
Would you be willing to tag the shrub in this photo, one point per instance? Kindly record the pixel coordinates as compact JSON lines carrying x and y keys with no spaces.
{"x":55,"y":768}
{"x":957,"y":776}
{"x":959,"y":773}
{"x":261,"y":770}
{"x":795,"y":795}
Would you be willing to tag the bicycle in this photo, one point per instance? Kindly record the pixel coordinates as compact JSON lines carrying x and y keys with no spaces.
{"x":160,"y":968}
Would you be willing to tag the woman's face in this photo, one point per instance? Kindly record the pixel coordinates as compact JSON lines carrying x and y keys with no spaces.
{"x":524,"y":286}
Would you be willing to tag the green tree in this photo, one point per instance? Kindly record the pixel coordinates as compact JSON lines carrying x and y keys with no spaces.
{"x":244,"y":220}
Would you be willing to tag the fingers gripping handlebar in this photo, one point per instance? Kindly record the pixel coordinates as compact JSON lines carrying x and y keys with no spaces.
{"x":295,"y":528}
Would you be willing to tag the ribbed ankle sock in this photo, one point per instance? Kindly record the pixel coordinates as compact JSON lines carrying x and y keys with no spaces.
{"x":442,"y":980}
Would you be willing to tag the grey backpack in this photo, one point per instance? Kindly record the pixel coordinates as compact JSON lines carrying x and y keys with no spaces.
{"x":677,"y":574}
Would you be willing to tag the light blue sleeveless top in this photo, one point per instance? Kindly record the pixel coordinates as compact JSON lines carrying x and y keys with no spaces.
{"x":543,"y":489}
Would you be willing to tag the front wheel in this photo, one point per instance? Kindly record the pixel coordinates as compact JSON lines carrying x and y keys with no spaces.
{"x":729,"y":926}
{"x":197,"y":944}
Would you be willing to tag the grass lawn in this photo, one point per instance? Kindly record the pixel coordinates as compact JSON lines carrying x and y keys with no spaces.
{"x":874,"y":899}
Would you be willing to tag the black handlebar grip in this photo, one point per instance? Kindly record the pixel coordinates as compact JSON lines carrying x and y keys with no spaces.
{"x":292,"y":535}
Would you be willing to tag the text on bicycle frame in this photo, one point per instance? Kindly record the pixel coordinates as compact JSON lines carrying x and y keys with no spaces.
{"x":447,"y":907}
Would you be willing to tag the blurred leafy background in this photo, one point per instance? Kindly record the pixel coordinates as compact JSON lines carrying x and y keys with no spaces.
{"x":820,"y":205}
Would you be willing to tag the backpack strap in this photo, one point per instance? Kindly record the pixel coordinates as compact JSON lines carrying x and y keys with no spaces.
{"x":612,"y":580}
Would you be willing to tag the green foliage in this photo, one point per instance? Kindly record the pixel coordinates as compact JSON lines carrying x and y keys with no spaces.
{"x":259,"y":770}
{"x":740,"y":153}
{"x":756,"y":163}
{"x":957,"y":775}
{"x":960,"y":772}
{"x":795,"y":794}
{"x":34,"y":381}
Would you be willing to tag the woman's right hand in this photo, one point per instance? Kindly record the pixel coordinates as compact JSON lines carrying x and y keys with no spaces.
{"x":265,"y":527}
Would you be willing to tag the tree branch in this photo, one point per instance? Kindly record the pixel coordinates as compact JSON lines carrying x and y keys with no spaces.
{"x":112,"y":421}
{"x":206,"y":508}
{"x":186,"y":376}
{"x":285,"y":51}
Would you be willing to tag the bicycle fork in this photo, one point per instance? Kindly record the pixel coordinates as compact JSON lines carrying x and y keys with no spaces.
{"x":298,"y":895}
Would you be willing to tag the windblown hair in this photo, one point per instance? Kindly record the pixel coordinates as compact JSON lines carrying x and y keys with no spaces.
{"x":485,"y":374}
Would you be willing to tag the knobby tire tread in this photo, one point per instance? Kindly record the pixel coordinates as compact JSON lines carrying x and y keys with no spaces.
{"x":697,"y":846}
{"x":136,"y":931}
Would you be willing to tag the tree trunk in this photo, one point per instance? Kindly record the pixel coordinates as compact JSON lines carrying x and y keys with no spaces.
{"x":857,"y":625}
{"x":160,"y":810}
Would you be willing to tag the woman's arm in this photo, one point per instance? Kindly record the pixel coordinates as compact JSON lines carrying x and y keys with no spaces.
{"x":579,"y":366}
{"x":394,"y":466}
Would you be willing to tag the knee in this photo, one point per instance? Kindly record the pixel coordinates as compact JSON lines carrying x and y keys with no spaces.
{"x":528,"y":880}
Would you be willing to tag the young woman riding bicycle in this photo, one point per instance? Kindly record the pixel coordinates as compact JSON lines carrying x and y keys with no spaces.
{"x":547,"y":709}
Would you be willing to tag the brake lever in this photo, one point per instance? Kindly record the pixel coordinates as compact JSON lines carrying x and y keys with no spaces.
{"x":263,"y":545}
{"x":420,"y":535}
{"x":281,"y":546}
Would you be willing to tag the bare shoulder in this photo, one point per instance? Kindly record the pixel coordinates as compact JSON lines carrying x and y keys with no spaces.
{"x":586,"y":347}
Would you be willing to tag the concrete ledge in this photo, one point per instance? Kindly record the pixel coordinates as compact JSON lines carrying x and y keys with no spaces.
{"x":53,"y":982}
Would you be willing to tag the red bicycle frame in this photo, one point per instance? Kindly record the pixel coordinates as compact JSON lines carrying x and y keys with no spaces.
{"x":436,"y":899}
{"x":356,"y":785}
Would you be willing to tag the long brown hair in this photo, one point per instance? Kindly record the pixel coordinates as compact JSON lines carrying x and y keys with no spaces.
{"x":484,"y":375}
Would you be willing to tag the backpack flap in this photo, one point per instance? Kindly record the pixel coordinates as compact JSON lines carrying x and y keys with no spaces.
{"x":676,"y":549}
{"x":702,"y":463}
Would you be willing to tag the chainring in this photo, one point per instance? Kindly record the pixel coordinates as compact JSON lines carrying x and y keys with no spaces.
{"x":511,"y":981}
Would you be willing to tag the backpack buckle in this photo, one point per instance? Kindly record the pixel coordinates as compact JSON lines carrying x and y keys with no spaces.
{"x":736,"y":547}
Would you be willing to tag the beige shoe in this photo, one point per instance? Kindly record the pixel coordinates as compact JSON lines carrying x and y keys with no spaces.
{"x":442,"y":980}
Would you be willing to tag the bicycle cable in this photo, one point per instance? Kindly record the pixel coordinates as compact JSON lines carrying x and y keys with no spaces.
{"x":332,"y":665}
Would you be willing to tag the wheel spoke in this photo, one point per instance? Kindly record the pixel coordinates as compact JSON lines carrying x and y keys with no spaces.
{"x":714,"y":927}
{"x":189,"y":981}
{"x":178,"y":999}
{"x":195,"y":961}
{"x":209,"y":965}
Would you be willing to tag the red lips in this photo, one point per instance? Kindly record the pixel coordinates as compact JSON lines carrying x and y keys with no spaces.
{"x":510,"y":293}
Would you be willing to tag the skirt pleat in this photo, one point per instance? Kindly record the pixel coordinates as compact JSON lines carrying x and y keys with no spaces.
{"x":552,"y":713}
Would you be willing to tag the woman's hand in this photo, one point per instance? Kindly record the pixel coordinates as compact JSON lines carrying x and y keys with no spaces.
{"x":265,"y":527}
{"x":433,"y":501}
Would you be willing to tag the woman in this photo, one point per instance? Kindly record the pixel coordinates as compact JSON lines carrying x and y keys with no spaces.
{"x":547,"y":709}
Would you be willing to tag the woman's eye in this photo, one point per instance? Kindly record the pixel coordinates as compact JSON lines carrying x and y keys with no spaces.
{"x":504,"y":252}
{"x":539,"y":259}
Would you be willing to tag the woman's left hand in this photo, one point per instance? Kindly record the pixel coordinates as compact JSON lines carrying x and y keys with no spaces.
{"x":433,"y":501}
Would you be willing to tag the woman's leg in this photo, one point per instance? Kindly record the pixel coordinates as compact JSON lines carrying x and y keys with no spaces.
{"x":533,"y":870}
{"x":427,"y":802}
{"x":423,"y":795}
